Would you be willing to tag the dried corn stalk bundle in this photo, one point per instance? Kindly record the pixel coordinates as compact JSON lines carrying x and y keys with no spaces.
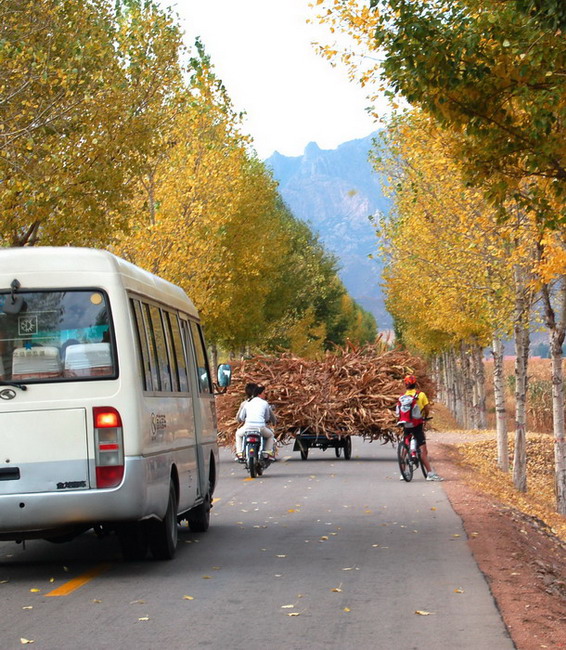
{"x":352,"y":391}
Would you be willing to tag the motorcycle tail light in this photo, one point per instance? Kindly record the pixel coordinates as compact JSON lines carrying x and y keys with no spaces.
{"x":253,"y":439}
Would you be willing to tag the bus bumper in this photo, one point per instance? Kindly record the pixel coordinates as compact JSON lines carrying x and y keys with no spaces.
{"x":28,"y":515}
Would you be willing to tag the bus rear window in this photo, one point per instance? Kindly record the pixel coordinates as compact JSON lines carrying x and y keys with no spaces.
{"x":56,"y":336}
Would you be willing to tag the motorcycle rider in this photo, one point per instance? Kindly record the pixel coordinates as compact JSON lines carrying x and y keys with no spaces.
{"x":255,"y":413}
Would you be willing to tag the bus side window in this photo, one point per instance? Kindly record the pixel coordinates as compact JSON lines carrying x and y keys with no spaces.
{"x":173,"y":370}
{"x":205,"y":385}
{"x":154,"y":362}
{"x":178,"y":355}
{"x":161,"y":347}
{"x":143,"y":346}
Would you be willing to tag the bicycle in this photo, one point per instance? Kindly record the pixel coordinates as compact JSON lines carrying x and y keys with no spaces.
{"x":409,"y":459}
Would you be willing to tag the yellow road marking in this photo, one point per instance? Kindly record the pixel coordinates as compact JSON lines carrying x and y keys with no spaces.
{"x":76,"y":583}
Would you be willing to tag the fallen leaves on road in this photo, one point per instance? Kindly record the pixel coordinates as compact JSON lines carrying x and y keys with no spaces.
{"x":422,"y":612}
{"x":26,"y":641}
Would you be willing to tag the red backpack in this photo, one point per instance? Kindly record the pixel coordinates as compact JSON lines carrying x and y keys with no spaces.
{"x":408,"y":410}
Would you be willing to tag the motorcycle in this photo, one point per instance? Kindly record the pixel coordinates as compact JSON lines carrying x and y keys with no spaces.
{"x":255,"y":458}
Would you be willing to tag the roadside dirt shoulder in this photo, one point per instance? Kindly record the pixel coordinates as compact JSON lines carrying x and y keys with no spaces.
{"x":524,"y":563}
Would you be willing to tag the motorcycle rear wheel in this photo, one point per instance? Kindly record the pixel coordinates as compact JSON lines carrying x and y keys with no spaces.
{"x":252,"y":466}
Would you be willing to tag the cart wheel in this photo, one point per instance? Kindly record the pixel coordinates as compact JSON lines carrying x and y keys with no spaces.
{"x":347,"y":448}
{"x":338,"y":450}
{"x":304,"y":453}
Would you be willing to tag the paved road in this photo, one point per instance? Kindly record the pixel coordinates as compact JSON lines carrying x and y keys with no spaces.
{"x":324,"y":553}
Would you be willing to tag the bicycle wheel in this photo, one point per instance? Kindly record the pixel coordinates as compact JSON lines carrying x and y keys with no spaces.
{"x":405,"y":465}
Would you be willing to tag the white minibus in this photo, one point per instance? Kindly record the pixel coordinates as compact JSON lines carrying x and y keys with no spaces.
{"x":107,"y":413}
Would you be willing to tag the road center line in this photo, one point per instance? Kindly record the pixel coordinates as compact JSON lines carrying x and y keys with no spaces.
{"x":76,"y":583}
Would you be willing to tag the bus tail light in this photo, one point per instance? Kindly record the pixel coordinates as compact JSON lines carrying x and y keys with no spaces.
{"x":108,"y":447}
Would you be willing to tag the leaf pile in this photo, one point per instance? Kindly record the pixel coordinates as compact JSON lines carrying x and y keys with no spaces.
{"x":540,"y":500}
{"x":352,"y":391}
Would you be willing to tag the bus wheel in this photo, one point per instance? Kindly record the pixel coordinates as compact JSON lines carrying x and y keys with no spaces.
{"x":199,"y":517}
{"x":133,"y":541}
{"x":163,"y":534}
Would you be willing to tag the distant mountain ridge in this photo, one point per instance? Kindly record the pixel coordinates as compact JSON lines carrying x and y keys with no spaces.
{"x":335,"y":191}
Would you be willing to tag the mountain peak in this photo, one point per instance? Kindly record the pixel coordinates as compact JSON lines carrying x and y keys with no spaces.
{"x":312,"y":148}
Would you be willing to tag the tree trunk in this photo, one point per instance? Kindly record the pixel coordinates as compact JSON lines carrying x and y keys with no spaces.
{"x":479,"y":373}
{"x":557,"y":330}
{"x":500,"y":410}
{"x":467,"y":387}
{"x":214,"y":358}
{"x":474,"y":388}
{"x":450,"y":381}
{"x":438,"y":378}
{"x":151,"y":196}
{"x":522,"y":340}
{"x":459,"y":406}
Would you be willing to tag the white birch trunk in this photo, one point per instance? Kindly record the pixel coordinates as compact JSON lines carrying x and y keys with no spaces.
{"x":480,"y":387}
{"x":467,"y":387}
{"x":500,"y":410}
{"x":460,"y":387}
{"x":442,"y":396}
{"x":557,"y":328}
{"x":558,"y":423}
{"x":450,"y":383}
{"x":522,"y":339}
{"x":475,"y":397}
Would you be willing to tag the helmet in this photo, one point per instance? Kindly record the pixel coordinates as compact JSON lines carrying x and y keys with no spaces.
{"x":410,"y":380}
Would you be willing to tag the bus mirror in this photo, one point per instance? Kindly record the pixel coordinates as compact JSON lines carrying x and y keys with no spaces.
{"x":224,"y":375}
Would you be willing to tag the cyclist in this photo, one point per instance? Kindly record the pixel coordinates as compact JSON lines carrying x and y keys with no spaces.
{"x":421,"y":412}
{"x":255,"y":413}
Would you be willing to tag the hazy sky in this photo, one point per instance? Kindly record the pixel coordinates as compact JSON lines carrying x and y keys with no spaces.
{"x":262,"y":51}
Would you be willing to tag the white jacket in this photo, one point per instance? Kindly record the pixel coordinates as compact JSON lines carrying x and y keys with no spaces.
{"x":256,"y":413}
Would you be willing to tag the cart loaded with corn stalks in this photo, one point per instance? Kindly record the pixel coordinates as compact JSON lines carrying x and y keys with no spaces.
{"x":322,"y":403}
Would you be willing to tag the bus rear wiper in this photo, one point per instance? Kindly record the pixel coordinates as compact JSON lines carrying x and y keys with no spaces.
{"x":14,"y":383}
